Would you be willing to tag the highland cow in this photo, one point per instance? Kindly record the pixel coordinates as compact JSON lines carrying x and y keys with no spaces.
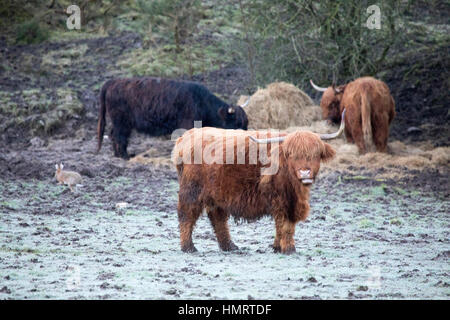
{"x":370,"y":110}
{"x":242,"y":188}
{"x":158,"y":106}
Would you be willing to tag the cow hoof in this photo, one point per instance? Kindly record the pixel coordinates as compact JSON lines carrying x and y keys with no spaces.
{"x":276,"y":248}
{"x":288,"y":250}
{"x":233,"y":247}
{"x":189,"y":249}
{"x":230,"y":247}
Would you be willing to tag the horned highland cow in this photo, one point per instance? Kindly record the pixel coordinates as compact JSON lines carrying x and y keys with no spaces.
{"x":240,"y":187}
{"x":158,"y":106}
{"x":370,"y":110}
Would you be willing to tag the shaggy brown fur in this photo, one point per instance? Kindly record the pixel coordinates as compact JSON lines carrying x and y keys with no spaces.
{"x":370,"y":110}
{"x":240,"y":190}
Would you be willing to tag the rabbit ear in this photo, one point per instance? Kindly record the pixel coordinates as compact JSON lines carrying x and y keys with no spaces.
{"x":56,"y":166}
{"x":61,"y":166}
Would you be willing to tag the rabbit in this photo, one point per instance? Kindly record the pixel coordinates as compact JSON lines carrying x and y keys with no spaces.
{"x":70,"y":178}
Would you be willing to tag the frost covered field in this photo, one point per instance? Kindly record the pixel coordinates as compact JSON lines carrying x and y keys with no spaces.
{"x":365,"y":237}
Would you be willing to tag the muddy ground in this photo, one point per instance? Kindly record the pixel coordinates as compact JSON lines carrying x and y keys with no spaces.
{"x":366,"y":238}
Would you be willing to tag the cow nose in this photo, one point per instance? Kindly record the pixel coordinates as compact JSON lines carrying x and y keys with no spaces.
{"x":304,"y":174}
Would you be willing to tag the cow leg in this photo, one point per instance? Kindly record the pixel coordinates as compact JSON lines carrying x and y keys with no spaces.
{"x":187,"y":217}
{"x":114,"y":144}
{"x":186,"y":229}
{"x":122,"y":145}
{"x":381,"y":132}
{"x":358,"y":137}
{"x":287,"y":242}
{"x":276,"y":243}
{"x":123,"y":151}
{"x":119,"y":136}
{"x":348,"y":135}
{"x":219,"y":221}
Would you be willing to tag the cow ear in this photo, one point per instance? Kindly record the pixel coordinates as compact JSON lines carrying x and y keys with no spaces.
{"x":339,"y":89}
{"x":222,"y":112}
{"x":328,"y":152}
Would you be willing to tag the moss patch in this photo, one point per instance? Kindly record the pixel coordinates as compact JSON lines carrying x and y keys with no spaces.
{"x":165,"y":62}
{"x":58,"y":60}
{"x":39,"y":111}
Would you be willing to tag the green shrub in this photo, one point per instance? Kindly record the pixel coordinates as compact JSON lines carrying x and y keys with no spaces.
{"x":31,"y":32}
{"x":327,"y":40}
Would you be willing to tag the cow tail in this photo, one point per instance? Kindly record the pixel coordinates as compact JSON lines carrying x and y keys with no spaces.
{"x":101,"y":118}
{"x":177,"y":158}
{"x":366,"y":123}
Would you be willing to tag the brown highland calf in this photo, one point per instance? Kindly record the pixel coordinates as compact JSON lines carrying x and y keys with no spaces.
{"x":244,"y":191}
{"x":370,"y":110}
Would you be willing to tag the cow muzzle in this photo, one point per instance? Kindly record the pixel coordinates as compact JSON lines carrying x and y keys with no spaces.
{"x":305,"y":176}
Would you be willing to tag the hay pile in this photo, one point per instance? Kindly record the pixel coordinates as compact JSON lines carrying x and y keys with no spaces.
{"x":279,"y":106}
{"x":394,"y":164}
{"x":150,"y":157}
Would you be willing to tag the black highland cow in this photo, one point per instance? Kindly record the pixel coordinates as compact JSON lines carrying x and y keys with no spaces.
{"x":159,"y":106}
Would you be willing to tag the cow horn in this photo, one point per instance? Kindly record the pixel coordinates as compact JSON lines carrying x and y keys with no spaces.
{"x":324,"y":136}
{"x":336,"y":89}
{"x":268,"y":140}
{"x":317,"y":87}
{"x":245,"y":104}
{"x":328,"y":136}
